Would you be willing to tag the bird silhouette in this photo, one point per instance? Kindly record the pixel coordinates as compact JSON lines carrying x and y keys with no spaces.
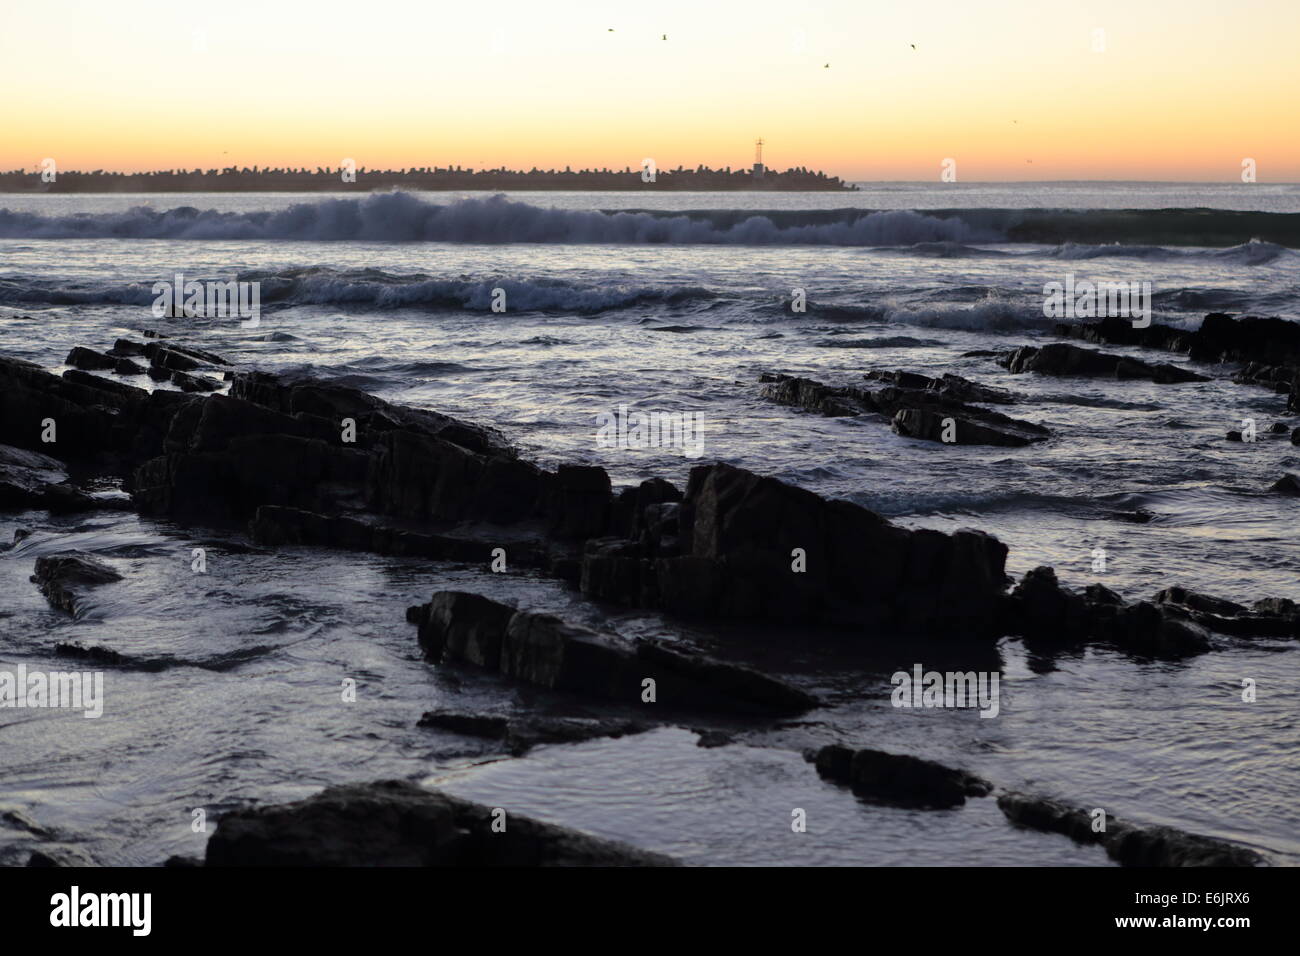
{"x":665,"y":36}
{"x":826,"y":67}
{"x":913,"y":46}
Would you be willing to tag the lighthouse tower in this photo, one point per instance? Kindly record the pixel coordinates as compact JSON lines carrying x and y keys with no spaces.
{"x":759,"y":168}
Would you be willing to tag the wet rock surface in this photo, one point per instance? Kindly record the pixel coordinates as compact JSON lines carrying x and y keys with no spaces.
{"x":899,"y":779}
{"x":1042,"y":611}
{"x":64,"y":578}
{"x":519,"y":734}
{"x":1060,"y":359}
{"x":934,"y":409}
{"x":29,"y":479}
{"x":739,"y":538}
{"x":1270,"y":617}
{"x":395,"y":823}
{"x":1128,"y":844}
{"x":1219,"y":338}
{"x":542,"y":649}
{"x":1288,"y":484}
{"x":1268,"y":347}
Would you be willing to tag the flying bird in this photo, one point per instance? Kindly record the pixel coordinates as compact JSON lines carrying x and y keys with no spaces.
{"x":913,"y":46}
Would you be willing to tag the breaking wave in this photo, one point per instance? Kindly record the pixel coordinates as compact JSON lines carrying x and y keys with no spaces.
{"x":399,"y":216}
{"x":371,"y":289}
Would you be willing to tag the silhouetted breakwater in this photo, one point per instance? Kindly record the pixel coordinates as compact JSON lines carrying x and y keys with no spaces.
{"x":322,"y":179}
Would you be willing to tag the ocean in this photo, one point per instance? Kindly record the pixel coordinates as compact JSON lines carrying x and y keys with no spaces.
{"x":677,"y":303}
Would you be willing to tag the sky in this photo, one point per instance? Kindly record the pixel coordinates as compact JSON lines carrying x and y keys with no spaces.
{"x":1009,"y":91}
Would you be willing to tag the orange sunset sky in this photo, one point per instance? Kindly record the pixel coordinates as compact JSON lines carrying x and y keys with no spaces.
{"x":1011,"y":90}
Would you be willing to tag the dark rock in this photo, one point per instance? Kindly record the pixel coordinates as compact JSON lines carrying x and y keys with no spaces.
{"x":949,"y":427}
{"x":95,"y":655}
{"x":29,"y":479}
{"x":172,"y":360}
{"x":899,"y":779}
{"x":84,"y":417}
{"x":693,"y":681}
{"x":1041,"y":610}
{"x":1269,"y":347}
{"x":460,"y":626}
{"x":60,"y":855}
{"x":544,"y":650}
{"x":1272,"y":617}
{"x":62,"y":577}
{"x":1070,"y":360}
{"x":521,"y":734}
{"x":713,"y":738}
{"x":18,"y":820}
{"x":950,"y":387}
{"x":102,"y":424}
{"x":193,"y":383}
{"x":125,"y":348}
{"x":1220,"y":338}
{"x":1126,"y":843}
{"x":1197,"y":602}
{"x":89,"y":359}
{"x":526,"y":733}
{"x":918,"y":406}
{"x":471,"y":725}
{"x":581,"y":501}
{"x":276,"y":525}
{"x":815,"y":397}
{"x":118,"y":394}
{"x":182,"y":862}
{"x":1165,"y":847}
{"x":1051,"y":816}
{"x":613,"y":569}
{"x":738,"y":532}
{"x":374,"y":417}
{"x":395,"y":823}
{"x":1288,"y":484}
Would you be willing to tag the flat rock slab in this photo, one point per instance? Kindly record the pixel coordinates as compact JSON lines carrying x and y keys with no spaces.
{"x":1061,"y":359}
{"x":29,"y":479}
{"x":934,"y":409}
{"x":396,"y":823}
{"x":520,"y":734}
{"x":1126,"y":843}
{"x":541,"y":649}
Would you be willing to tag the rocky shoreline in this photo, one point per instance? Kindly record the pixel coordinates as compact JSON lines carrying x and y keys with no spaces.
{"x":295,"y":461}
